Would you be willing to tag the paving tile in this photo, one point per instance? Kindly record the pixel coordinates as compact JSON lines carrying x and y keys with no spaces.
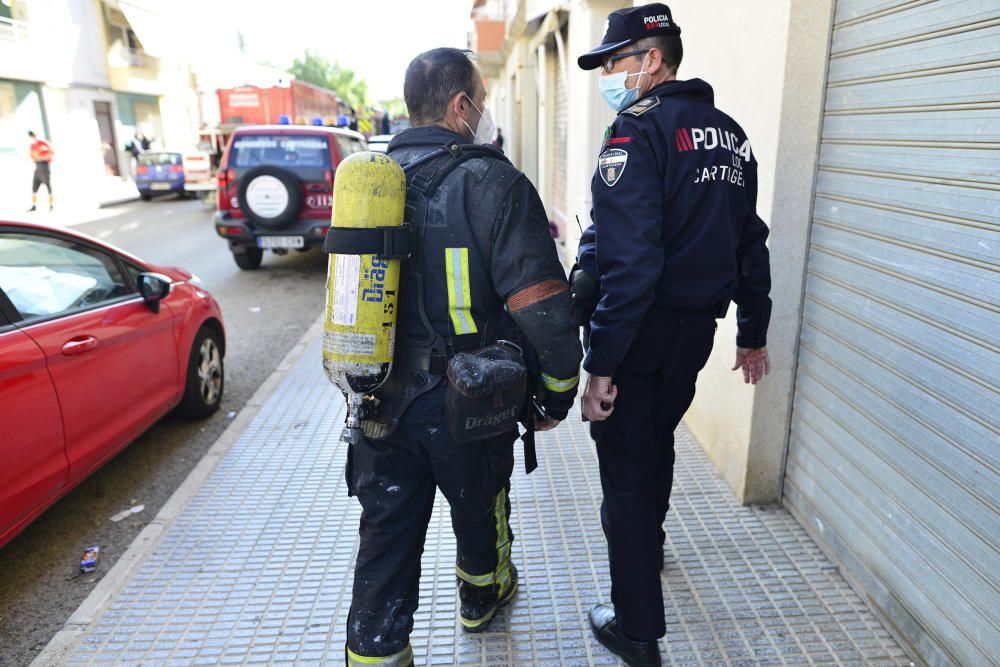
{"x":257,"y":568}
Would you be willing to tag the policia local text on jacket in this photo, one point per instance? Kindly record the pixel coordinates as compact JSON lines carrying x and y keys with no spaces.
{"x":688,"y":187}
{"x":676,"y":236}
{"x":487,"y":269}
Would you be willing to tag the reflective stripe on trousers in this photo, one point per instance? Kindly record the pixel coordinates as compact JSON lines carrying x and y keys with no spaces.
{"x":501,"y":575}
{"x":402,"y":659}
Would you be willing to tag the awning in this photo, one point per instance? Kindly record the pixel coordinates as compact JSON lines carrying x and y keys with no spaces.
{"x":151,"y":28}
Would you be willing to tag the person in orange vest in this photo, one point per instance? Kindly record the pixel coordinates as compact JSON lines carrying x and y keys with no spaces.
{"x":41,"y":155}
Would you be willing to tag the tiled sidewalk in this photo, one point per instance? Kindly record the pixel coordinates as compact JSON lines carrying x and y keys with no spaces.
{"x":257,"y":568}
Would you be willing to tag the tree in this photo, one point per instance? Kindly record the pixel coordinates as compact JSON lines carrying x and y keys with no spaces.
{"x":316,"y":69}
{"x":396,"y":106}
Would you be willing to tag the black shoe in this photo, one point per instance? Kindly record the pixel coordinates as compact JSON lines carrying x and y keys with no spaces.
{"x":33,"y":208}
{"x":633,"y":653}
{"x":481,"y":603}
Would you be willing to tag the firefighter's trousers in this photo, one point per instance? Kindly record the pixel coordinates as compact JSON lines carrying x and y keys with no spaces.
{"x":395,"y":480}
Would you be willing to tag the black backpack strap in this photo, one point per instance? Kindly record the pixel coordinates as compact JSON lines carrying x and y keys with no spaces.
{"x":419,"y":174}
{"x":424,"y":176}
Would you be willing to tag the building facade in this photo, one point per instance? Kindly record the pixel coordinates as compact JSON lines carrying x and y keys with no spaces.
{"x":876,"y":126}
{"x":89,"y":75}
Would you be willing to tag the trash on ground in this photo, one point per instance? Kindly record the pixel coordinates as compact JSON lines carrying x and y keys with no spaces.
{"x":90,"y":557}
{"x":231,"y":414}
{"x":127,"y":513}
{"x":255,"y":309}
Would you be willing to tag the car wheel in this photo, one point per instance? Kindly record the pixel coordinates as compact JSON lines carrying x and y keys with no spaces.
{"x":270,"y":196}
{"x":145,"y":197}
{"x":205,"y":376}
{"x":249,"y":259}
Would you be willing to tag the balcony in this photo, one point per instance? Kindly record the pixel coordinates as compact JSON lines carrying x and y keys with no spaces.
{"x":120,"y":56}
{"x":21,"y":51}
{"x":135,"y":71}
{"x":14,"y":32}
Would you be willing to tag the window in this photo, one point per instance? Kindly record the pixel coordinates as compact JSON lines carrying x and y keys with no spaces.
{"x":347,"y":146}
{"x":44,"y":276}
{"x":252,"y":150}
{"x":151,"y":159}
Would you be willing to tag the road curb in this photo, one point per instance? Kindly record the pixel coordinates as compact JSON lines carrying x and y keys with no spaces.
{"x":118,"y":201}
{"x":64,"y":643}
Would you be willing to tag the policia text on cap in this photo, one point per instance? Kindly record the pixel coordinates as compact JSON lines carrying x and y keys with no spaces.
{"x":483,"y":285}
{"x":675,"y":237}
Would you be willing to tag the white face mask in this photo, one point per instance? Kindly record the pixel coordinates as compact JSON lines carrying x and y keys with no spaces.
{"x":614,"y":91}
{"x":483,"y":134}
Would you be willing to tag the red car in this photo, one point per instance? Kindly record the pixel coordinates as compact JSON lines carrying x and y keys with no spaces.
{"x":276,"y":187}
{"x":95,"y":346}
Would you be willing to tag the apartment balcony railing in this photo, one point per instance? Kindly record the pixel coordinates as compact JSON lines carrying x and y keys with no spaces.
{"x":123,"y":56}
{"x":17,"y":33}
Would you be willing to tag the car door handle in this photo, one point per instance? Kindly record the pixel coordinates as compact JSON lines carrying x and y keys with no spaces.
{"x":79,"y":345}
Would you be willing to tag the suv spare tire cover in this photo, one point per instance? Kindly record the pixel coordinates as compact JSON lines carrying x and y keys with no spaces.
{"x":270,"y":196}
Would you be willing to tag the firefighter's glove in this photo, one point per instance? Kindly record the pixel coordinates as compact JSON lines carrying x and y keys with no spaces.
{"x":585,"y":293}
{"x":557,"y":405}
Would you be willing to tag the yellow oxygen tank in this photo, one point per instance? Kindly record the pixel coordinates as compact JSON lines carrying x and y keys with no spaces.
{"x":362,"y":290}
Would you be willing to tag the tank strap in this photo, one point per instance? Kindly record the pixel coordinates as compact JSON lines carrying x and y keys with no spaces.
{"x":424,"y":176}
{"x":393,"y":242}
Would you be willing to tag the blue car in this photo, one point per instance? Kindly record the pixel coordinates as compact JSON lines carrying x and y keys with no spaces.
{"x":159,"y":174}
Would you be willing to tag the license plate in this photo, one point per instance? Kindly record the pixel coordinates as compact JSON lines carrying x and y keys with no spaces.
{"x":281,"y":242}
{"x":160,"y":186}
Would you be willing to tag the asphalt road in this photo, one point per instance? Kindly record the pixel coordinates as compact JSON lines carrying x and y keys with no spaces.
{"x":265,"y":312}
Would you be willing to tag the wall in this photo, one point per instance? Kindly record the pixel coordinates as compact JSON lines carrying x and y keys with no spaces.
{"x":78,"y":166}
{"x":588,"y":113}
{"x":770,"y":78}
{"x":21,"y":109}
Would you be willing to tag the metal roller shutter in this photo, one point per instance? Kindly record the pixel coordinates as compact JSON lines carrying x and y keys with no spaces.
{"x":894,"y":449}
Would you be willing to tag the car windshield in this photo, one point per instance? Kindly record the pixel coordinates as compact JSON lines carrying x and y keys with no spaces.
{"x":150,"y":159}
{"x":281,"y":151}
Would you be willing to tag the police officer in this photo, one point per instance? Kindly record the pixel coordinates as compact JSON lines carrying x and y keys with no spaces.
{"x":485,"y":268}
{"x":675,"y":237}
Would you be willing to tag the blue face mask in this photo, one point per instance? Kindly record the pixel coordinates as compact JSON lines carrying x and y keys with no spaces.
{"x":615,"y":93}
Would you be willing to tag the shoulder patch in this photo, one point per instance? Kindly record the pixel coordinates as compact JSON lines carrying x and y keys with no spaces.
{"x":611,"y":165}
{"x":642,"y":106}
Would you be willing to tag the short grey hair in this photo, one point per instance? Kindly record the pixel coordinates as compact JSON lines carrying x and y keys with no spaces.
{"x":668,"y":45}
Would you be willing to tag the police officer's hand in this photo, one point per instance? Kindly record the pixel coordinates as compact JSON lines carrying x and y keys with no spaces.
{"x":599,"y":398}
{"x":754,"y":362}
{"x":546,"y":425}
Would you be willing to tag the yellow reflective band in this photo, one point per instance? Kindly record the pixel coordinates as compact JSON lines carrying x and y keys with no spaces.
{"x":557,"y":385}
{"x":402,"y":659}
{"x":475,"y":579}
{"x":459,"y":294}
{"x":502,"y":574}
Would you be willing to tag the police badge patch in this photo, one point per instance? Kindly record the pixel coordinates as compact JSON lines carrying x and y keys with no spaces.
{"x":611,"y":165}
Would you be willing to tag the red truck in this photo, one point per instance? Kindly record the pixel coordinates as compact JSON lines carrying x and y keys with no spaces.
{"x":300,"y":102}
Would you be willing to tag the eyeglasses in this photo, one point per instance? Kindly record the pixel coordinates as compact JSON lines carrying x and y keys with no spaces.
{"x":609,"y":62}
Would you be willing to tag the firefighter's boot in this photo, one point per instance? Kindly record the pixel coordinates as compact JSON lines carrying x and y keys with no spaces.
{"x":480,"y":603}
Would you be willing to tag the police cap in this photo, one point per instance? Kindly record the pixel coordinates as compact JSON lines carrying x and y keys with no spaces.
{"x":626,"y":26}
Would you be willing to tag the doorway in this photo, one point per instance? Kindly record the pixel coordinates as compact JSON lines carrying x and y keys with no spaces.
{"x":109,"y":146}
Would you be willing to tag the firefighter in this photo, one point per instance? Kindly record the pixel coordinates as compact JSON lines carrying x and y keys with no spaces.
{"x":676,"y":236}
{"x":41,"y":155}
{"x":484,"y":268}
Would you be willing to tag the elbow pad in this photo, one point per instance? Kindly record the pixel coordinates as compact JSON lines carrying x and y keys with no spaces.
{"x":543,"y":314}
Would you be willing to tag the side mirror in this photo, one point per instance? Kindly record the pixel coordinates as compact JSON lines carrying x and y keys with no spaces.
{"x":154,"y":287}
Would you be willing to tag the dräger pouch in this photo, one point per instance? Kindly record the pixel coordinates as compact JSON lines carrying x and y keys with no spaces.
{"x":485,"y":393}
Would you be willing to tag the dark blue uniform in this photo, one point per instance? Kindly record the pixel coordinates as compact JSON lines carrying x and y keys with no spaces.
{"x":676,"y":236}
